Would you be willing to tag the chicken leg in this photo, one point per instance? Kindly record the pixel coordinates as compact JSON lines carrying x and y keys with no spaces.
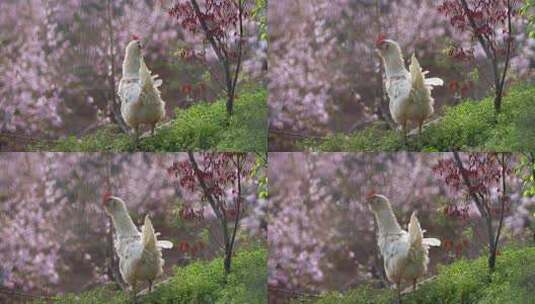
{"x":136,"y":136}
{"x":134,"y":293}
{"x":404,"y":131}
{"x":398,"y":289}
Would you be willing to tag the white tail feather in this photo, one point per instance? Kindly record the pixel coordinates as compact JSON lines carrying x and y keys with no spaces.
{"x":165,"y":244}
{"x":417,"y":76}
{"x":149,"y":81}
{"x":415,"y":231}
{"x":435,"y":81}
{"x":147,"y":234}
{"x":144,"y":73}
{"x":431,"y":242}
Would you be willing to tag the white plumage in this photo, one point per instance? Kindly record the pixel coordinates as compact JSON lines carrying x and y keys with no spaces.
{"x":140,"y":253}
{"x":405,"y":253}
{"x":141,"y":103}
{"x":409,"y":91}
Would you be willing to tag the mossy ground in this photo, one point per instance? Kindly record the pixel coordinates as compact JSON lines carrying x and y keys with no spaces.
{"x":469,"y":126}
{"x":463,"y":282}
{"x":197,"y":283}
{"x":203,"y":126}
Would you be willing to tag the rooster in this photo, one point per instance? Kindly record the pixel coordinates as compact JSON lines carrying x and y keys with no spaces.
{"x":409,"y":91}
{"x":140,"y":253}
{"x":405,"y":253}
{"x":138,"y":91}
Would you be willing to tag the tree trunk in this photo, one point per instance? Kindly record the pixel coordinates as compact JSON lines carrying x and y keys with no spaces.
{"x":228,"y":260}
{"x":492,"y":260}
{"x":230,"y":104}
{"x":228,"y":248}
{"x":498,"y":99}
{"x":220,"y":214}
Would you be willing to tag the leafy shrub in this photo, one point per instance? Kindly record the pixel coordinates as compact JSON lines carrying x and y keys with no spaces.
{"x":469,"y":126}
{"x":199,"y":282}
{"x":205,"y":282}
{"x":203,"y":126}
{"x":464,"y":281}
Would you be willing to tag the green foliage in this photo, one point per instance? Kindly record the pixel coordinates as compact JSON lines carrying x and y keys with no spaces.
{"x":374,"y":138}
{"x":526,"y":171}
{"x":203,"y":126}
{"x":469,"y":126}
{"x":464,"y":281}
{"x":260,"y":14}
{"x":528,"y":11}
{"x":98,"y":295}
{"x":198,"y":283}
{"x":259,"y":174}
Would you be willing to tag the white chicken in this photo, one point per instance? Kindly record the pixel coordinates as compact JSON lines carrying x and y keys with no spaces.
{"x":405,"y":253}
{"x":409,"y":91}
{"x":140,"y":253}
{"x":139,"y":92}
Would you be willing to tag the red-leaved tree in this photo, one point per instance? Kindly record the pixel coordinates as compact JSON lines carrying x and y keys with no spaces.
{"x":218,"y":179}
{"x":222,"y":23}
{"x":490,"y":24}
{"x":479,"y":179}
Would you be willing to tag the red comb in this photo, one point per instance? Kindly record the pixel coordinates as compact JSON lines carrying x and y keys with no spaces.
{"x":135,"y":37}
{"x":380,"y":39}
{"x":371,"y":194}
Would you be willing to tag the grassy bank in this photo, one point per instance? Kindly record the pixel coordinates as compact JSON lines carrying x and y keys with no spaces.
{"x":463,"y":282}
{"x":203,"y":126}
{"x":469,"y":126}
{"x":199,"y":282}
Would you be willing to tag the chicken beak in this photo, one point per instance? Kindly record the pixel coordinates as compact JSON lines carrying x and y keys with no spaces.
{"x":105,"y":203}
{"x":380,"y":46}
{"x":106,"y":199}
{"x":370,"y":197}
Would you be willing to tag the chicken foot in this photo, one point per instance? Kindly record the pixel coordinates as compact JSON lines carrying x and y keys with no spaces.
{"x":404,"y":131}
{"x":136,"y":136}
{"x":134,"y":293}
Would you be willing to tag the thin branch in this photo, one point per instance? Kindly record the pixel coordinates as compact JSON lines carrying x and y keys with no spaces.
{"x":503,"y":201}
{"x":509,"y":44}
{"x":489,"y":51}
{"x":206,"y":30}
{"x":474,"y":28}
{"x":200,"y":179}
{"x":113,"y":101}
{"x":238,"y":201}
{"x":479,"y":200}
{"x":240,"y":46}
{"x":468,"y":184}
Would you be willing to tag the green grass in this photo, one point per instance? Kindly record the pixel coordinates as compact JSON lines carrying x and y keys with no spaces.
{"x":197,"y":283}
{"x":203,"y":126}
{"x":469,"y":126}
{"x":463,"y":282}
